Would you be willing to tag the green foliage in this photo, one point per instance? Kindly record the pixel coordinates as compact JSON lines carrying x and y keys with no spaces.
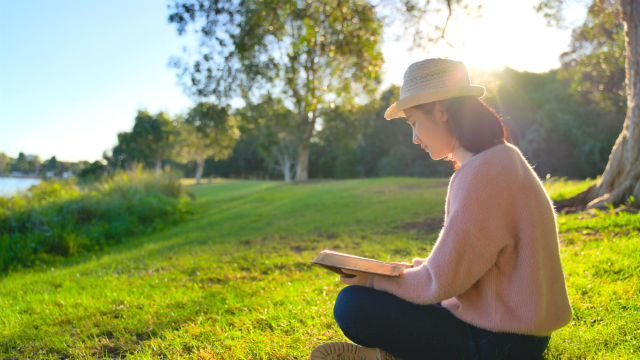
{"x":317,"y":50}
{"x":53,"y":167}
{"x":208,"y":130}
{"x":348,"y":166}
{"x":275,"y":129}
{"x":395,"y":162}
{"x":93,"y":172}
{"x":4,"y":163}
{"x":236,"y":282}
{"x":559,"y":131}
{"x":151,"y":140}
{"x":58,"y":218}
{"x":310,"y":54}
{"x":246,"y":161}
{"x":595,"y":62}
{"x":595,"y":68}
{"x":25,"y":164}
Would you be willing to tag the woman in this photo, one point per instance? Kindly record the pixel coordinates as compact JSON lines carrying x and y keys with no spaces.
{"x":492,"y":287}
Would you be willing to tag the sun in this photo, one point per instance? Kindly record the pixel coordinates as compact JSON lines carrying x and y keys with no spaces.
{"x":509,"y":33}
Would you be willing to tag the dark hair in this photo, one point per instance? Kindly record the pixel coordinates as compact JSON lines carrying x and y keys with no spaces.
{"x":475,"y":124}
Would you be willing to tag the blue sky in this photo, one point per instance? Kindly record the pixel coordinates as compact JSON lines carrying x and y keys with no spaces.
{"x":74,"y":73}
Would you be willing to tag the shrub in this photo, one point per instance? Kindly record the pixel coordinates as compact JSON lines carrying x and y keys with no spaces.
{"x":395,"y":163}
{"x":60,"y":218}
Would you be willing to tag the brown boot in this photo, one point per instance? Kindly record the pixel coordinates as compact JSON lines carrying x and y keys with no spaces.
{"x":347,"y":351}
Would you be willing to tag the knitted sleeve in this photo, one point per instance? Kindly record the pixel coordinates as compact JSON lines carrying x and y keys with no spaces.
{"x":478,"y":226}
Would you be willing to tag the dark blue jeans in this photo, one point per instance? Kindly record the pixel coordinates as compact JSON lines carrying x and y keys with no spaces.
{"x":374,"y":318}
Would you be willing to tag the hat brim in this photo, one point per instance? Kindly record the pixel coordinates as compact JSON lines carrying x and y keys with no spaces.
{"x":396,"y":109}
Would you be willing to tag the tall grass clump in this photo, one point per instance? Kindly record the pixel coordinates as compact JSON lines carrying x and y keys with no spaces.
{"x":63,"y":218}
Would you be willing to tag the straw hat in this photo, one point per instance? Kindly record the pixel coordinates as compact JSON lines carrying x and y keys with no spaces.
{"x":431,"y":80}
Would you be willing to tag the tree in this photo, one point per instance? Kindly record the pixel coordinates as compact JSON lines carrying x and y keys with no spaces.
{"x":123,"y":153}
{"x":283,"y":158}
{"x":245,"y":161}
{"x":92,"y":172}
{"x":208,"y":130}
{"x":621,"y":177}
{"x":52,"y":165}
{"x":276,"y":128}
{"x":595,"y":62}
{"x":560,"y":131}
{"x":21,"y":164}
{"x":4,"y":162}
{"x":312,"y":53}
{"x":153,"y":136}
{"x":150,"y":141}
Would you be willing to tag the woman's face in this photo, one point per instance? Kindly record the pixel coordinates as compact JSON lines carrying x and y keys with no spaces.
{"x":431,"y":131}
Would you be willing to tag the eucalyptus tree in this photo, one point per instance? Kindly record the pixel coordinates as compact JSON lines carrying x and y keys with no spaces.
{"x":208,"y":130}
{"x":311,"y":53}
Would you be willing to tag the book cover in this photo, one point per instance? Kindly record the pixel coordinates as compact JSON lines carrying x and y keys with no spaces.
{"x":336,"y":261}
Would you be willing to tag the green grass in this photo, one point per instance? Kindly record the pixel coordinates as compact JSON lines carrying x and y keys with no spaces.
{"x":235,"y":282}
{"x":560,"y":188}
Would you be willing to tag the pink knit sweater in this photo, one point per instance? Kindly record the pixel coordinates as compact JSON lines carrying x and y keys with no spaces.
{"x":496,"y":263}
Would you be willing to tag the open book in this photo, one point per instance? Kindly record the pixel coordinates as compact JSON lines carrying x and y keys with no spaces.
{"x":336,"y":261}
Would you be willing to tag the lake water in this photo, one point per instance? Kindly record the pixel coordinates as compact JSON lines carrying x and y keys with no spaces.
{"x":10,"y":186}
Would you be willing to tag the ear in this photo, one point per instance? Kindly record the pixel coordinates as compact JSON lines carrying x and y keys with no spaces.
{"x":440,"y":113}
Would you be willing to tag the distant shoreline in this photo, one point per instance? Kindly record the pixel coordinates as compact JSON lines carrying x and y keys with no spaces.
{"x":20,"y":177}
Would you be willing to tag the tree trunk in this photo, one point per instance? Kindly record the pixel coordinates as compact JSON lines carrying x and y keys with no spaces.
{"x":302,"y":170}
{"x":199,"y":169}
{"x":158,"y":166}
{"x":621,"y":176}
{"x":286,"y":169}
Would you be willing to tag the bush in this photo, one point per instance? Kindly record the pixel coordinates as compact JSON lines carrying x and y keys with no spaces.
{"x":95,"y":171}
{"x":395,"y":163}
{"x":347,"y":166}
{"x":60,"y":218}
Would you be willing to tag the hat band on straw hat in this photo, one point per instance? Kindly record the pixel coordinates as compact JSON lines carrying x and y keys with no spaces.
{"x":396,"y":109}
{"x":439,"y":94}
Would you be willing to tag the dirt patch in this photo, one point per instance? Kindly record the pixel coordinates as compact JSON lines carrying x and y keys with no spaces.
{"x":298,"y":248}
{"x":107,"y":348}
{"x":254,"y":241}
{"x":592,"y":213}
{"x":426,"y":226}
{"x":407,"y":187}
{"x":420,"y":187}
{"x":312,"y":181}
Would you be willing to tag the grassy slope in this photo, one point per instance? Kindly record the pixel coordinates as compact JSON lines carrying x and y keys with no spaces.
{"x":236,"y":281}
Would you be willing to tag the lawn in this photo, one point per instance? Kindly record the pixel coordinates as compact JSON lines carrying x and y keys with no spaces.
{"x":235,"y":282}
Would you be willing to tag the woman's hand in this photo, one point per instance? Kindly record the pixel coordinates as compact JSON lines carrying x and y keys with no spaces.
{"x":359,"y":278}
{"x":404,"y":265}
{"x":418,"y":261}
